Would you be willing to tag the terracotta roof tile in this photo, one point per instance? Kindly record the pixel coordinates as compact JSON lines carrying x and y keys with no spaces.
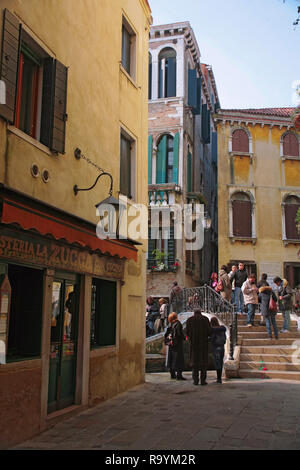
{"x":282,"y":112}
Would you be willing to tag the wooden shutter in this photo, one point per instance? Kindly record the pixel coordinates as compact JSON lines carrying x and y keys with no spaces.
{"x":240,"y":141}
{"x":290,"y":221}
{"x":214,"y":150}
{"x":171,"y":247}
{"x":208,"y":127}
{"x":192,"y":89}
{"x":204,"y":122}
{"x":242,"y":219}
{"x":176,"y":158}
{"x":151,"y":248}
{"x":170,"y":77}
{"x":290,"y":145}
{"x":11,"y":39}
{"x":54,"y":117}
{"x":161,"y":160}
{"x":189,"y":173}
{"x":150,"y":146}
{"x":60,"y":106}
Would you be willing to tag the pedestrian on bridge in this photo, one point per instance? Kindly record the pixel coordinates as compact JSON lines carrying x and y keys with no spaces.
{"x":198,"y":330}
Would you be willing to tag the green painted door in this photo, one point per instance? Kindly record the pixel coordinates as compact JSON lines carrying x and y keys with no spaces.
{"x":63,"y":343}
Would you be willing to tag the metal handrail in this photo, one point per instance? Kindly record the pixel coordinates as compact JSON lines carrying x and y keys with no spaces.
{"x":209,"y":301}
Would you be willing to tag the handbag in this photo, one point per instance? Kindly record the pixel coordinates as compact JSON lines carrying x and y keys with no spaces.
{"x":272,"y":305}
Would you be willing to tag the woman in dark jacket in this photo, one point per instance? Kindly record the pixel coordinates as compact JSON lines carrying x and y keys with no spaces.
{"x":265,"y":292}
{"x":218,"y":340}
{"x":174,"y":338}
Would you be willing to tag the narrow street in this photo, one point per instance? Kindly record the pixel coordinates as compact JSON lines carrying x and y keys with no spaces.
{"x":244,"y":414}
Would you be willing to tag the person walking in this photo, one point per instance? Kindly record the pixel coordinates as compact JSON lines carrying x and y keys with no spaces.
{"x":175,"y":298}
{"x":239,"y":277}
{"x":284,"y":302}
{"x":213,"y":281}
{"x":163,"y":311}
{"x":265,"y":292}
{"x":232,"y":280}
{"x":152,"y":313}
{"x":174,"y":339}
{"x":198,"y":330}
{"x":250,"y":291}
{"x":218,"y":340}
{"x":225,"y":282}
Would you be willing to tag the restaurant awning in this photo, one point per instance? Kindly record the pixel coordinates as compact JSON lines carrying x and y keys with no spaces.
{"x":33,"y":215}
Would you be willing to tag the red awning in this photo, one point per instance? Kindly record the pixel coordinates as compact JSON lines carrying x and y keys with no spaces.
{"x":64,"y":229}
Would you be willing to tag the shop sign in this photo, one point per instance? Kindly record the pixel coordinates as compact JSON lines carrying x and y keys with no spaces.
{"x":53,"y":255}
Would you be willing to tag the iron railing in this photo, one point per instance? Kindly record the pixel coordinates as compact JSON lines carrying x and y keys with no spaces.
{"x":209,"y":301}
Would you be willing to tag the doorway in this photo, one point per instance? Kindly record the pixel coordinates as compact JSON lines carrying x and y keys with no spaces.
{"x":63,"y":342}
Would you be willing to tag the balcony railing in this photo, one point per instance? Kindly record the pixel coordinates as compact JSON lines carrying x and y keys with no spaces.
{"x":163,"y":194}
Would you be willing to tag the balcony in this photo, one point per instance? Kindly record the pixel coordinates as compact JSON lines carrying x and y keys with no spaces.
{"x":163,"y":194}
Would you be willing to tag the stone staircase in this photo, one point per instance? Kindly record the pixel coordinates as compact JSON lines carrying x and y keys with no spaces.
{"x":262,"y":357}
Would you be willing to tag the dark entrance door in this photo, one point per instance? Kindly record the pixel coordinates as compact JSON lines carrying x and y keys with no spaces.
{"x":63,"y":342}
{"x":292,"y":274}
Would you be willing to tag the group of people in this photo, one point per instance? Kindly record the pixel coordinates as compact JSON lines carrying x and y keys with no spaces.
{"x":199,"y":331}
{"x":246,"y":294}
{"x":157,"y":312}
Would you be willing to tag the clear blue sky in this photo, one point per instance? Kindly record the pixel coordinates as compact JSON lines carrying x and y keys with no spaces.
{"x":252,"y":45}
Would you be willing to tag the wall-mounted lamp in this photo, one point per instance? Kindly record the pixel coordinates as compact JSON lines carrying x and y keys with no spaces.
{"x":78,"y":155}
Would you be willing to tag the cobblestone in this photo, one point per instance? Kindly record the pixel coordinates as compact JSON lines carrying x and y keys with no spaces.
{"x":164,"y":414}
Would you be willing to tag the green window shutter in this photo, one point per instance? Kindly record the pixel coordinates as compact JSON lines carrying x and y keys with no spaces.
{"x":171,"y":247}
{"x":192,"y":89}
{"x":11,"y":40}
{"x":208,"y":127}
{"x":151,"y":248}
{"x":176,"y":158}
{"x":171,"y":77}
{"x":198,"y":109}
{"x":204,"y":122}
{"x":150,"y":146}
{"x":161,"y":158}
{"x":189,"y":173}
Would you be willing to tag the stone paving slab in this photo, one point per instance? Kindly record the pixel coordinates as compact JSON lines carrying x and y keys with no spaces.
{"x":165,"y":414}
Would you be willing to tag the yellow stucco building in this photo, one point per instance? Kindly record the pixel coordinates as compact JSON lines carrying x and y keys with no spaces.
{"x":72,"y":318}
{"x":259,"y":191}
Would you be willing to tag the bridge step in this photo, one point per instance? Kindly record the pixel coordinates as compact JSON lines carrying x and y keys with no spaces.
{"x":269,"y":374}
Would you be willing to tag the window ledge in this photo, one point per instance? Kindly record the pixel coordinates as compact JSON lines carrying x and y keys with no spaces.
{"x":30,"y":140}
{"x":14,"y":366}
{"x":234,"y":239}
{"x":129,"y":77}
{"x":291,"y":241}
{"x":241,"y":154}
{"x":287,"y":157}
{"x":103,"y":351}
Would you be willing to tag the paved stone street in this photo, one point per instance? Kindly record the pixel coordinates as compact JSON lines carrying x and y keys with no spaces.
{"x":161,"y":414}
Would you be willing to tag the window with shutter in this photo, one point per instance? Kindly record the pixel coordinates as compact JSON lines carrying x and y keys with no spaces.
{"x":126,"y":166}
{"x":128,"y":53}
{"x":167,"y":73}
{"x":165,"y":160}
{"x":290,"y":145}
{"x":241,"y":215}
{"x":36,"y":87}
{"x":291,"y":207}
{"x":240,"y":141}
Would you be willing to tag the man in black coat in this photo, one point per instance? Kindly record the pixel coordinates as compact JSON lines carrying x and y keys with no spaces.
{"x":198,"y":329}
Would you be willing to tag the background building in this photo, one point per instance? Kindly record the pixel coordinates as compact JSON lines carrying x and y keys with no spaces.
{"x":182,"y":165}
{"x":72,"y":306}
{"x":259,"y":191}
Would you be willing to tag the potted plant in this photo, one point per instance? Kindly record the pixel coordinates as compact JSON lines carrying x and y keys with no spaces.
{"x":159,"y":257}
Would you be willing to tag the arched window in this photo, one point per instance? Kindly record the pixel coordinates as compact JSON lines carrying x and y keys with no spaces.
{"x":291,"y":206}
{"x":165,"y":160}
{"x":240,"y":141}
{"x":241,"y":215}
{"x":150,"y":77}
{"x":290,"y":145}
{"x":167,"y":73}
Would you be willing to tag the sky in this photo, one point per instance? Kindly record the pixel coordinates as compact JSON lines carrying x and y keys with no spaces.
{"x":252,"y":46}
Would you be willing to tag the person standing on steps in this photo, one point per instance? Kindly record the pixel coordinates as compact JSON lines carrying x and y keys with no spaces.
{"x":174,"y":339}
{"x":239,"y":277}
{"x":284,"y":302}
{"x":198,"y":330}
{"x":265,"y":293}
{"x":225,"y":284}
{"x":218,"y":340}
{"x":250,"y":291}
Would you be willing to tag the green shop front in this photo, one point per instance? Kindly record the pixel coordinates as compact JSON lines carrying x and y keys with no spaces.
{"x":60,"y":289}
